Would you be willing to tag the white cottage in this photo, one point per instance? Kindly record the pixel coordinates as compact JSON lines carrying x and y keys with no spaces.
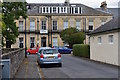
{"x":105,"y":43}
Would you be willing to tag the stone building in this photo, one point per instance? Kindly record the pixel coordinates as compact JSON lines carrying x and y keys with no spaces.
{"x":46,"y":20}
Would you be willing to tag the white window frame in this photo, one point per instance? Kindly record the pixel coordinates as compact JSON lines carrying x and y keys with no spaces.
{"x":55,"y":41}
{"x":56,"y":9}
{"x":78,"y":26}
{"x":64,"y":10}
{"x":111,"y":37}
{"x":21,"y":26}
{"x":32,"y":26}
{"x":46,"y":9}
{"x":91,"y":23}
{"x":43,"y":25}
{"x":53,"y":25}
{"x":99,"y":40}
{"x":64,"y":26}
{"x":43,"y":10}
{"x":78,"y":10}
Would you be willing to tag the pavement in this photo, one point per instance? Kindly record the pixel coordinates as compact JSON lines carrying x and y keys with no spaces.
{"x":72,"y":67}
{"x":29,"y":68}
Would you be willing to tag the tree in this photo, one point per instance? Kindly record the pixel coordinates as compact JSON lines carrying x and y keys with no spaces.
{"x":72,"y":36}
{"x":77,"y":38}
{"x":65,"y":34}
{"x":11,"y":12}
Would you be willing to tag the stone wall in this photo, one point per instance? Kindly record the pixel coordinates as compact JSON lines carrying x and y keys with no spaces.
{"x":16,"y":57}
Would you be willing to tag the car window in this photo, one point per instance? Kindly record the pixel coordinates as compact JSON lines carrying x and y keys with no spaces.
{"x":40,"y":51}
{"x":60,"y":47}
{"x":50,"y":51}
{"x":65,"y":48}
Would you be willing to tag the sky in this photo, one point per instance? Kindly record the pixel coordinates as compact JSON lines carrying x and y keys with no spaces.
{"x":91,"y":3}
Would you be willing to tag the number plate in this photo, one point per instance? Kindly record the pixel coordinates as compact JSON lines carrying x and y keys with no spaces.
{"x":51,"y":57}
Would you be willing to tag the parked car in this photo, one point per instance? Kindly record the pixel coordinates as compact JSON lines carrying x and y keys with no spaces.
{"x":49,"y":56}
{"x":32,"y":50}
{"x":38,"y":54}
{"x":63,"y":49}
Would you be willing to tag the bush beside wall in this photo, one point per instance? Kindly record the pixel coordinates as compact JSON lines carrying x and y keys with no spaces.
{"x":81,"y":50}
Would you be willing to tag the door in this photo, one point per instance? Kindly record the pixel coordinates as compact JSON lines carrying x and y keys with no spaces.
{"x":43,"y":42}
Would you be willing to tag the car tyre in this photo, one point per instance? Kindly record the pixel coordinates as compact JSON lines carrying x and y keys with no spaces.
{"x":28,"y":53}
{"x":41,"y":65}
{"x":60,"y":64}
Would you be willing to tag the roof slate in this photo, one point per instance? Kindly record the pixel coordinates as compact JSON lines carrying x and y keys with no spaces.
{"x":109,"y":26}
{"x":85,"y":9}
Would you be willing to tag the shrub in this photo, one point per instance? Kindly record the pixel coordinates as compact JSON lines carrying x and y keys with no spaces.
{"x":50,"y":45}
{"x":82,"y":50}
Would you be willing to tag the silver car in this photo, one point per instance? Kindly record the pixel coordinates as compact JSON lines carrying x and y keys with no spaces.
{"x":49,"y":56}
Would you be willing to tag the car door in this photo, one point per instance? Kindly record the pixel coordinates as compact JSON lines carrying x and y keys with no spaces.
{"x":33,"y":50}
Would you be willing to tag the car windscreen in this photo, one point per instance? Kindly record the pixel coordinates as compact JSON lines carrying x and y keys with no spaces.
{"x":50,"y":51}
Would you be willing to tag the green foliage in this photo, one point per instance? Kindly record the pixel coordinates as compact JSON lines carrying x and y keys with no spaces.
{"x":82,"y":50}
{"x":65,"y":34}
{"x":77,"y":38}
{"x":50,"y":45}
{"x":12,"y":11}
{"x":72,"y":36}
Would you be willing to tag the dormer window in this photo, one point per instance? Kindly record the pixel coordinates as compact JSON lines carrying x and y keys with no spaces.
{"x":47,"y":9}
{"x":54,"y":9}
{"x":43,"y":9}
{"x":63,"y":9}
{"x":76,"y":10}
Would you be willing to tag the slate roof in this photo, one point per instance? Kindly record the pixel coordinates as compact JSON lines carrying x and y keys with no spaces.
{"x":109,"y":26}
{"x":85,"y":9}
{"x":113,"y":11}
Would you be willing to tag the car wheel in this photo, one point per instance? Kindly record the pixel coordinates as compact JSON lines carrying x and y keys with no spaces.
{"x":60,"y":64}
{"x":41,"y":65}
{"x":28,"y":53}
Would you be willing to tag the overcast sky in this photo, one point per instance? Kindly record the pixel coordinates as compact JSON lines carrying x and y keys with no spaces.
{"x":91,"y":3}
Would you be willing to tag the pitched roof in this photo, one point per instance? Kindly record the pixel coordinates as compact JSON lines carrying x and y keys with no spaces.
{"x":113,"y":11}
{"x":109,"y":26}
{"x":85,"y":9}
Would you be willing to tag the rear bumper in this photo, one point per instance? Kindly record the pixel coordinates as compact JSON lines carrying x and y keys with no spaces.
{"x":51,"y":61}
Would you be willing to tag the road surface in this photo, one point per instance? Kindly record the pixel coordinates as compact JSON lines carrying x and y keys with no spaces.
{"x":72,"y":67}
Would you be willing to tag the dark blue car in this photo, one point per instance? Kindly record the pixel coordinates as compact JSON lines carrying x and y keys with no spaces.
{"x":63,"y":49}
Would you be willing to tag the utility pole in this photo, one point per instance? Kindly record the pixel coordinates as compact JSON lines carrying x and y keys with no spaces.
{"x":25,"y":40}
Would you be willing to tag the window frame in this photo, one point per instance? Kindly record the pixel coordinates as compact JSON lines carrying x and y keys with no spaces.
{"x":43,"y":26}
{"x":21,"y":26}
{"x":99,"y":40}
{"x":21,"y":42}
{"x":111,"y":37}
{"x":65,"y":27}
{"x":77,"y":25}
{"x":32,"y":28}
{"x":91,"y":23}
{"x":55,"y":41}
{"x":54,"y":25}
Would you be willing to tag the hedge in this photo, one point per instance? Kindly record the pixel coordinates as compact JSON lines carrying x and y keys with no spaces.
{"x":81,"y":50}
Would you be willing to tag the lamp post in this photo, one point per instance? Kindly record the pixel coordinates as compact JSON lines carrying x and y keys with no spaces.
{"x":25,"y":40}
{"x":28,"y":7}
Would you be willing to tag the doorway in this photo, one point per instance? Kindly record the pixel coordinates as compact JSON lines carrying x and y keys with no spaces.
{"x":43,"y":41}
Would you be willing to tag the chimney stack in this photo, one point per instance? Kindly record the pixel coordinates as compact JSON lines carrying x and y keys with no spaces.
{"x":67,"y":2}
{"x":104,"y":6}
